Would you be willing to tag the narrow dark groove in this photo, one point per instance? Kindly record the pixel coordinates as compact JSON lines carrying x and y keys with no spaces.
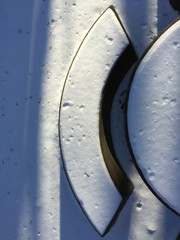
{"x":121,"y":67}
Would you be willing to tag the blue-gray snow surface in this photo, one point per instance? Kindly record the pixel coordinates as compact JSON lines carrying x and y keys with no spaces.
{"x":38,"y":42}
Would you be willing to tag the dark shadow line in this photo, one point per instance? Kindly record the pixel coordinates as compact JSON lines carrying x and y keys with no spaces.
{"x":119,"y":70}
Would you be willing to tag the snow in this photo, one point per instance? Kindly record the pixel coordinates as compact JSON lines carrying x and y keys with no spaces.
{"x":38,"y":42}
{"x":153,"y":117}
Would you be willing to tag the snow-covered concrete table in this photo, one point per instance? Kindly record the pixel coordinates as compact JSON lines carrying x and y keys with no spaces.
{"x":154,"y":117}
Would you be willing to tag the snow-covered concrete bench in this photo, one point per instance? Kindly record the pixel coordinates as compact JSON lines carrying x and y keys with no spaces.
{"x":85,"y":153}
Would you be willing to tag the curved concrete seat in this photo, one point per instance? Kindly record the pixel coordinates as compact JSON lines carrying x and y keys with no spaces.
{"x":83,"y":145}
{"x":153,"y":116}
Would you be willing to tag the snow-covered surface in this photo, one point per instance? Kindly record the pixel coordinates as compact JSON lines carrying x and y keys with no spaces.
{"x":79,"y":120}
{"x":38,"y":42}
{"x":154,"y":117}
